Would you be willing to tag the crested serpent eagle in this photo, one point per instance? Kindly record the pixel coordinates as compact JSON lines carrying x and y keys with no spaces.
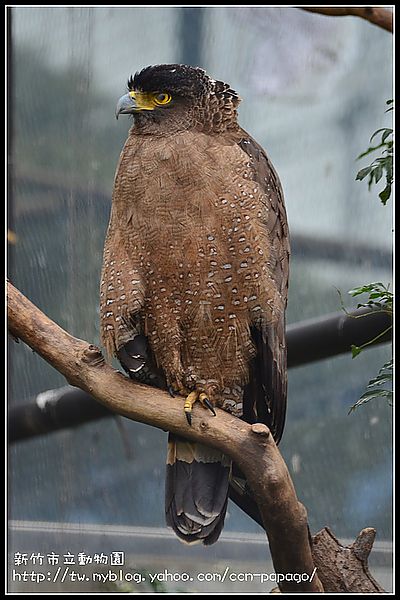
{"x":195,"y":274}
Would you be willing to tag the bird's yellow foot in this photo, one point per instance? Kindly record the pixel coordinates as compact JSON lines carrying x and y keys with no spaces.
{"x":205,"y":401}
{"x":194,"y":397}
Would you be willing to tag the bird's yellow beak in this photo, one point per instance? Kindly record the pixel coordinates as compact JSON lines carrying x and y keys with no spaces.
{"x":127,"y":105}
{"x":133,"y":102}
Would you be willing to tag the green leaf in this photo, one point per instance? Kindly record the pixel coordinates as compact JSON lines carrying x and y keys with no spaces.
{"x":385,"y":130}
{"x":378,"y":173}
{"x":388,"y":395}
{"x":391,"y":107}
{"x":356,"y":292}
{"x":355,"y":351}
{"x":381,"y":165}
{"x":386,"y":366}
{"x":385,"y":194}
{"x":374,"y":389}
{"x":363,"y":173}
{"x":370,"y":150}
{"x":368,"y":288}
{"x":375,"y":394}
{"x":380,"y":380}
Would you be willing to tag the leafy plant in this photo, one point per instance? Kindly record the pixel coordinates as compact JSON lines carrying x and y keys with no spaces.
{"x":381,"y":165}
{"x":379,"y":298}
{"x":375,"y":387}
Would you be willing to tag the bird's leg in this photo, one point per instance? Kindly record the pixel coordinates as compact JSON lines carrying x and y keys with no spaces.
{"x":171,"y":391}
{"x":205,"y":401}
{"x":175,"y":386}
{"x":187,"y":407}
{"x":205,"y":395}
{"x":193,"y":397}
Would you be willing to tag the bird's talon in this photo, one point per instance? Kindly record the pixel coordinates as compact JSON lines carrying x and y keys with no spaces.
{"x":190,"y":400}
{"x":204,"y":400}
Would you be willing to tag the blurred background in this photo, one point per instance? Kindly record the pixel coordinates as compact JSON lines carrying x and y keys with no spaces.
{"x":314,"y":90}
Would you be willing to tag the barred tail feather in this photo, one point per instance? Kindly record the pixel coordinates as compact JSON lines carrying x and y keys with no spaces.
{"x":196,"y":490}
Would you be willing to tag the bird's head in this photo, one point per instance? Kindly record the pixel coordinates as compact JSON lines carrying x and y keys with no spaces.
{"x":167,"y":98}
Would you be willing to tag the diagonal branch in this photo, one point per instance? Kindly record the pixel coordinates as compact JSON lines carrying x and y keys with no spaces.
{"x":377,"y":15}
{"x":251,"y":447}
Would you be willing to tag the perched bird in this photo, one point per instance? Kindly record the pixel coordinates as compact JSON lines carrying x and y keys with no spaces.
{"x":195,"y":274}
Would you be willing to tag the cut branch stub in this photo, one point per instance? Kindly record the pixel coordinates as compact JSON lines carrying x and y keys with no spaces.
{"x":92,"y":355}
{"x":344,"y":568}
{"x":260,"y":429}
{"x":363,"y":543}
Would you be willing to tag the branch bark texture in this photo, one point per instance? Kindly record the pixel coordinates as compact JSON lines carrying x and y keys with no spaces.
{"x":250,"y":446}
{"x":345,"y":568}
{"x":377,"y":15}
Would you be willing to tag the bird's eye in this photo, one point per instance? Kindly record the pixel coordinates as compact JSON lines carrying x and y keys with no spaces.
{"x":162,"y":98}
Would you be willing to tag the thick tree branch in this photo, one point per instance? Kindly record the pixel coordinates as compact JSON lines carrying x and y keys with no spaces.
{"x":250,"y":446}
{"x":284,"y":518}
{"x":377,"y":15}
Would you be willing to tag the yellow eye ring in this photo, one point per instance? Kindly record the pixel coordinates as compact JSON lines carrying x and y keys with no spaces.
{"x":162,"y":98}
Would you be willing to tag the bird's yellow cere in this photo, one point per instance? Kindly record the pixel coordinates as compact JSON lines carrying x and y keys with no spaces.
{"x":150,"y":100}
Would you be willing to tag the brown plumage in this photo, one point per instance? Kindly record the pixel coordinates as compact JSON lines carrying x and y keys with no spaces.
{"x":195,"y":273}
